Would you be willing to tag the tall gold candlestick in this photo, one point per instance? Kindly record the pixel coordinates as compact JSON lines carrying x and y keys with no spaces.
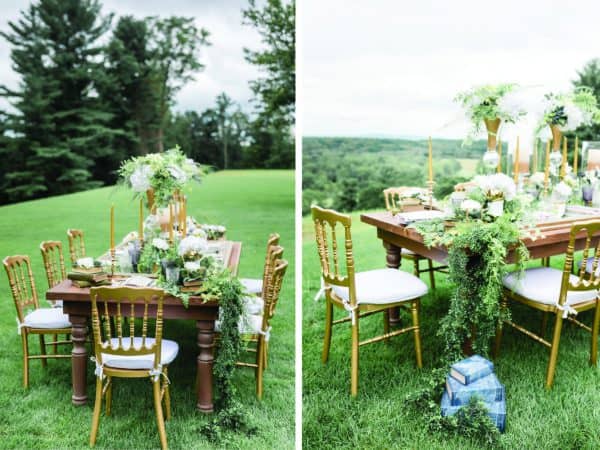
{"x":534,"y":163}
{"x":112,"y":240}
{"x":184,"y":216}
{"x":516,"y":169}
{"x":141,"y":225}
{"x":499,"y":156}
{"x":170,"y":222}
{"x":563,"y":166}
{"x":547,"y":167}
{"x":430,"y":161}
{"x":576,"y":155}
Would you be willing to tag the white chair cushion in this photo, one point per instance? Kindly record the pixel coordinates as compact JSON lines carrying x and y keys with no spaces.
{"x":253,"y":304}
{"x":47,"y":318}
{"x":169,"y":350}
{"x":384,"y":286}
{"x":542,"y":285}
{"x":251,"y":324}
{"x":252,"y":285}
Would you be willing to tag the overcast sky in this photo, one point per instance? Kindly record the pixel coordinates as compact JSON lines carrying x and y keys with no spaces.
{"x":393,"y":67}
{"x":226,"y":69}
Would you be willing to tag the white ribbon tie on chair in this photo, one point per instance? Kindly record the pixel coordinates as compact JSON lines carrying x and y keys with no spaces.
{"x":19,"y":326}
{"x":156,"y":374}
{"x":566,"y":309}
{"x":99,"y":371}
{"x":321,"y":291}
{"x":351,"y":312}
{"x":266,"y":333}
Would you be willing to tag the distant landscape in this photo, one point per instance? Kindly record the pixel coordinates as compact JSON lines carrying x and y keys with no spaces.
{"x":349,"y":174}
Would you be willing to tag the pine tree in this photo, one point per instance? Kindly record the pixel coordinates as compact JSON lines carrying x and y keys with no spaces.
{"x":60,"y":124}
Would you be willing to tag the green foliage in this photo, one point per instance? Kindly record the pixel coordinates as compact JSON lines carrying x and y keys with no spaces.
{"x":582,"y":97}
{"x":589,"y":76}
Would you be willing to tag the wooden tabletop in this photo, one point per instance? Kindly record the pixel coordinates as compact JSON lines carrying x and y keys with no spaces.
{"x":552,"y":241}
{"x":65,"y":290}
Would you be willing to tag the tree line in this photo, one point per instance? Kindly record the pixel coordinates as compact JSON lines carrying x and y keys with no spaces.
{"x":94,"y":90}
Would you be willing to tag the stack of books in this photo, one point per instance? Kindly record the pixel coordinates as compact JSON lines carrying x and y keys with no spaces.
{"x":470,"y":377}
{"x":88,"y":276}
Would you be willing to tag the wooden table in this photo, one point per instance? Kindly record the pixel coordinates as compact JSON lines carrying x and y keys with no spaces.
{"x":77,"y":304}
{"x":553,"y":241}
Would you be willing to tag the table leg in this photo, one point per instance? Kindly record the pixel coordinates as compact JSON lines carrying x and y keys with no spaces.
{"x":204,"y":365}
{"x":78,"y":359}
{"x":393,"y":260}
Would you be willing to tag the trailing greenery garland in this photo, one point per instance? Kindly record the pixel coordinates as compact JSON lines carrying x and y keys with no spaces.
{"x":477,"y":251}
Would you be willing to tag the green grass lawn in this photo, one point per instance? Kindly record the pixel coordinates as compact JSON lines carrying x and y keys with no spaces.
{"x":566,"y":417}
{"x":251,"y":204}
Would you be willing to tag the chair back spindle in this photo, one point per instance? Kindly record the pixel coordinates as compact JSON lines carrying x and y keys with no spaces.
{"x":54,"y":263}
{"x":585,"y":280}
{"x":272,"y":297}
{"x":326,"y":221}
{"x":22,"y":284}
{"x":76,"y":244}
{"x":118,"y":302}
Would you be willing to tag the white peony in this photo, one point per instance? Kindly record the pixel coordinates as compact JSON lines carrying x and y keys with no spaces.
{"x":192,"y":266}
{"x":160,"y":244}
{"x":140,"y":178}
{"x":177,"y":173}
{"x":511,"y":105}
{"x":575,"y":117}
{"x":563,"y":190}
{"x":537,"y":178}
{"x":192,"y":244}
{"x":497,"y":186}
{"x":470,"y":205}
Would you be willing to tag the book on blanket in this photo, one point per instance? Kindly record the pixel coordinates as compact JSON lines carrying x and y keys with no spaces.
{"x":471,"y":369}
{"x":488,"y":388}
{"x":496,"y":410}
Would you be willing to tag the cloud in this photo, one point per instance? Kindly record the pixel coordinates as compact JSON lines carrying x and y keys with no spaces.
{"x":226,"y":69}
{"x":393,"y":68}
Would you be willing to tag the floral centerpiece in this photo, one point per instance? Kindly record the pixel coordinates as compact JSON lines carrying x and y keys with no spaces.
{"x":160,"y":174}
{"x":214,"y":232}
{"x":490,"y":105}
{"x":496,"y":189}
{"x":568,"y":111}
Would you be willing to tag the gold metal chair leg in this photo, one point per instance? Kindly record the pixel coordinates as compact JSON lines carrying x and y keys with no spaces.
{"x":414,"y":309}
{"x":25,"y":359}
{"x":260,"y":359}
{"x":108,"y":396}
{"x":167,"y":397}
{"x":354,"y":358}
{"x":431,"y":274}
{"x":43,"y":350}
{"x":160,"y":422}
{"x":328,"y":325}
{"x":544,"y":323}
{"x":386,"y":324}
{"x":595,"y":325}
{"x":554,"y":350}
{"x":96,"y":416}
{"x":266,"y":362}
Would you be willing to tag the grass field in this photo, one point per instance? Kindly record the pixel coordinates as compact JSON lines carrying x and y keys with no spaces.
{"x":251,"y":204}
{"x":565,"y":418}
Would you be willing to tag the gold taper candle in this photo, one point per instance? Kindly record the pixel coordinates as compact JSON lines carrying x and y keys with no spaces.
{"x":563,"y":166}
{"x":112,"y":228}
{"x":430,"y":160}
{"x":499,"y":156}
{"x":547,"y":166}
{"x":171,"y":222}
{"x":184,"y":216}
{"x":516,"y":169}
{"x":576,"y":151}
{"x":534,"y":163}
{"x":141,"y":227}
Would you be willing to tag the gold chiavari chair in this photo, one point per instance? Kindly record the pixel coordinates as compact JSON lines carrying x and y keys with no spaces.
{"x":76,"y":244}
{"x":54,"y":264}
{"x":393,"y":203}
{"x":258,"y":327}
{"x":32,"y":319}
{"x":255,"y":285}
{"x":360,"y":293}
{"x":560,"y":293}
{"x":131,"y":356}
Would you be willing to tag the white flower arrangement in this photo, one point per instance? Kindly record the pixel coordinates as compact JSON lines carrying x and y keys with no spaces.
{"x":537,"y":179}
{"x":569,"y":110}
{"x":140,"y":178}
{"x":214,"y":231}
{"x":192,"y":247}
{"x":470,"y":205}
{"x":160,"y":244}
{"x":86,"y":263}
{"x":192,"y":266}
{"x":490,"y":102}
{"x":563,"y":190}
{"x":497,"y":186}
